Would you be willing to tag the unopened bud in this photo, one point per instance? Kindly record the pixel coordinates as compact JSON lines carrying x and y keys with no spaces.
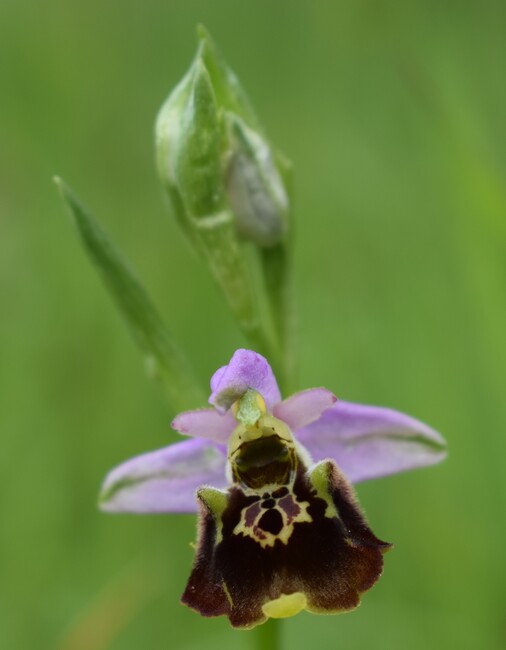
{"x":213,"y":157}
{"x":188,"y":142}
{"x":254,"y":187}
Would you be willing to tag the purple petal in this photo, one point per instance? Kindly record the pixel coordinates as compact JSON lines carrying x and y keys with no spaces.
{"x":205,"y":423}
{"x":164,"y":480}
{"x":247,"y":369}
{"x":371,"y":441}
{"x":305,"y":407}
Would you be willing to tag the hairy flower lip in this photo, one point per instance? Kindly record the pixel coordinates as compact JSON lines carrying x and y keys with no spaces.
{"x":311,"y":539}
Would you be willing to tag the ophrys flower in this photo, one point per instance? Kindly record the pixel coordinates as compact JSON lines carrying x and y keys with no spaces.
{"x":280,"y":528}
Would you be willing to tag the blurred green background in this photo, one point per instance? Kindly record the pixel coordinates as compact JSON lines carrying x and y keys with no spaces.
{"x":394,"y":115}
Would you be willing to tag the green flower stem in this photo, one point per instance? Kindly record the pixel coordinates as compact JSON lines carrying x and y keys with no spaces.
{"x":268,"y":635}
{"x":216,"y":235}
{"x":164,"y":358}
{"x":276,"y":265}
{"x":277,"y":268}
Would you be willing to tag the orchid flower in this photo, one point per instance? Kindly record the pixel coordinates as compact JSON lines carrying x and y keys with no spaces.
{"x":280,"y":528}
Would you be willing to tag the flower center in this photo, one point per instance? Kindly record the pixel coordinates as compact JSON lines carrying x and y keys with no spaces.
{"x":261,"y":448}
{"x":268,"y":460}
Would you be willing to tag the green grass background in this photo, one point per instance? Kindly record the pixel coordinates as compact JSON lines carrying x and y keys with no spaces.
{"x":394,"y":115}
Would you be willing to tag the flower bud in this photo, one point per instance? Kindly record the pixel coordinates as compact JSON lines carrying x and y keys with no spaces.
{"x":212,"y":157}
{"x":188,"y":142}
{"x":254,"y":187}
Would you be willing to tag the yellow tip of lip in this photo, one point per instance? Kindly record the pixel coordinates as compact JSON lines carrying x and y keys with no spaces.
{"x":285,"y":606}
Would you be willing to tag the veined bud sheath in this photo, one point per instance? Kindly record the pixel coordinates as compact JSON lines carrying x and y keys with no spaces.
{"x":213,"y":159}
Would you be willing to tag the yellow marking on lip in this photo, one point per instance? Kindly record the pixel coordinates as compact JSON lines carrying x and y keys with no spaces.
{"x":286,"y":605}
{"x":265,"y":538}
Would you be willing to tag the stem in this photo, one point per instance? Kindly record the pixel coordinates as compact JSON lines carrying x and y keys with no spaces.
{"x":277,"y":271}
{"x":268,"y":635}
{"x":219,"y":245}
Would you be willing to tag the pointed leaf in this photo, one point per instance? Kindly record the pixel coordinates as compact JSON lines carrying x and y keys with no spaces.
{"x":164,"y":356}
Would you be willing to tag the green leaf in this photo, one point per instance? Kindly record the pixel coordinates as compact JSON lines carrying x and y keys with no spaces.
{"x":164,"y":357}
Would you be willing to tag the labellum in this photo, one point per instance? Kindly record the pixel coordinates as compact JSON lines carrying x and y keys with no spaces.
{"x":285,"y":536}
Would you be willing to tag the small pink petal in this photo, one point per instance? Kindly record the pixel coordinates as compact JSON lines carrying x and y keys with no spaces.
{"x":305,"y":407}
{"x":205,"y":423}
